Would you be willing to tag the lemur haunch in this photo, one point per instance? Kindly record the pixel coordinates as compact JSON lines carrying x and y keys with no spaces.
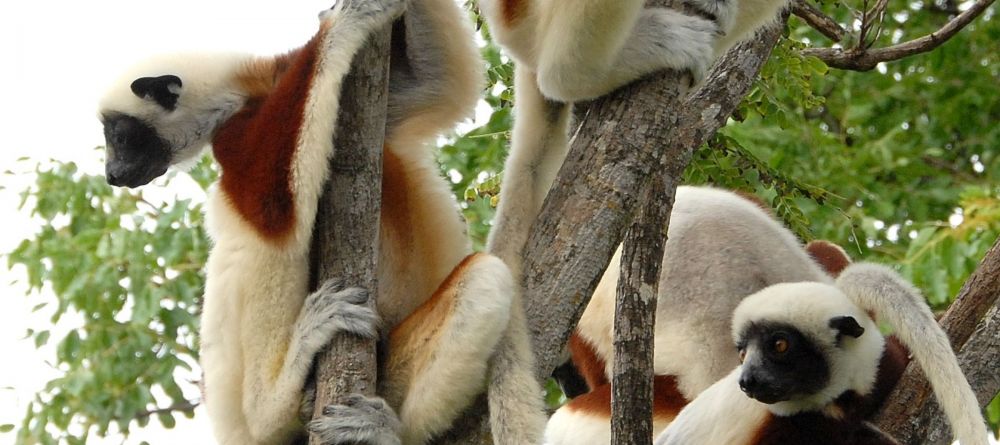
{"x":720,"y":248}
{"x":269,"y":122}
{"x":815,"y":367}
{"x":565,"y":54}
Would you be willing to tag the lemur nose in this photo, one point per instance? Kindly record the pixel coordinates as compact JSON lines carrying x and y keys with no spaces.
{"x":748,"y":383}
{"x":112,"y":179}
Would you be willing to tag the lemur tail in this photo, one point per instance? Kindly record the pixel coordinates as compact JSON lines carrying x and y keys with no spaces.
{"x":890,"y":298}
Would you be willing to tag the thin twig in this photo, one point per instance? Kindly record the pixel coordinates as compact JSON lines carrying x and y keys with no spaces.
{"x":184,"y":406}
{"x":818,"y":21}
{"x":856,"y":59}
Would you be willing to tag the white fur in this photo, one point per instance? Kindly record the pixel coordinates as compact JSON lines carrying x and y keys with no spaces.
{"x":568,"y":426}
{"x":880,"y":290}
{"x":810,"y":307}
{"x":469,"y":337}
{"x":722,"y":414}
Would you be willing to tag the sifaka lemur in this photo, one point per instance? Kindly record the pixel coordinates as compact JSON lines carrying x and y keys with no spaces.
{"x":269,"y":122}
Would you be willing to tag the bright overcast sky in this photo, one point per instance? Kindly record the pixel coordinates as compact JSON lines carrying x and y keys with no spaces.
{"x":58,"y":57}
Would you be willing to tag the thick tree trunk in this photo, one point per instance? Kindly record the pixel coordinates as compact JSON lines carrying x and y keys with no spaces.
{"x":345,"y":239}
{"x":911,"y":414}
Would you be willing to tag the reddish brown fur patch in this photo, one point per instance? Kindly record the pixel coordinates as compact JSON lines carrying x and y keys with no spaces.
{"x":829,"y":256}
{"x":894,"y":360}
{"x":396,"y":209}
{"x":256,"y":146}
{"x":409,"y":339}
{"x":586,"y":361}
{"x":513,"y":11}
{"x":667,"y":400}
{"x":756,"y":201}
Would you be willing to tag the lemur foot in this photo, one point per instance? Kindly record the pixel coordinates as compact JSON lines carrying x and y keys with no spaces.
{"x":331,"y":309}
{"x":358,"y":419}
{"x":375,"y":12}
{"x":686,"y":42}
{"x":722,"y":12}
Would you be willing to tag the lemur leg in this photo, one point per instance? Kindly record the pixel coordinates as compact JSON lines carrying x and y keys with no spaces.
{"x":436,"y":76}
{"x":598,"y":45}
{"x":359,"y":419}
{"x":439,"y":355}
{"x":540,"y":135}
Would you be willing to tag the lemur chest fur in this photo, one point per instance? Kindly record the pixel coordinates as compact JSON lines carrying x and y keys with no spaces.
{"x":256,"y":146}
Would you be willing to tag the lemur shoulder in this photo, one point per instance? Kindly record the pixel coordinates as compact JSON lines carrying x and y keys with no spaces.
{"x":269,"y":122}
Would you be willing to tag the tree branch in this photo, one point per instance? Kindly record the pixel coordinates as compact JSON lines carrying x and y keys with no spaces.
{"x":345,"y":238}
{"x":817,"y":20}
{"x":911,"y":414}
{"x":635,"y":318}
{"x":861,"y":59}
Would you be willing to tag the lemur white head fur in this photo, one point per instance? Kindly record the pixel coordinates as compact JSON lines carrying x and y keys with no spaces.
{"x":164,"y":111}
{"x":812,"y":330}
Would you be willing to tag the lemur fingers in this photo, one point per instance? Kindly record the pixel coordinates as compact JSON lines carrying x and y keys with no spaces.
{"x":372,"y":13}
{"x":359,"y":419}
{"x":333,"y":308}
{"x":329,"y":310}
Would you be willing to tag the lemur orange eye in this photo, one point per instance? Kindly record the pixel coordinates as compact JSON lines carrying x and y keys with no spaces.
{"x":780,"y":345}
{"x":743,"y":355}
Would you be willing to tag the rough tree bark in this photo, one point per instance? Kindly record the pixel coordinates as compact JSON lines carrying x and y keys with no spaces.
{"x":635,"y":318}
{"x":345,"y":238}
{"x":911,"y":414}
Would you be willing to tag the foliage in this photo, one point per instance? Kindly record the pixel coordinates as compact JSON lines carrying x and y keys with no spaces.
{"x":474,"y":160}
{"x":127,"y":278}
{"x":899,"y":165}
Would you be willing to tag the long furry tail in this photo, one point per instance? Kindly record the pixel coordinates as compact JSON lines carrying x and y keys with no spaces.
{"x":890,"y":298}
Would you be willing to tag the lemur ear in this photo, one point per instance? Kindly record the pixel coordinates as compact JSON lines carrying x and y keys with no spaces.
{"x":163,"y":89}
{"x":846,"y":325}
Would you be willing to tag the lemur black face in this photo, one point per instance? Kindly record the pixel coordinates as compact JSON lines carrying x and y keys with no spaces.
{"x":781,"y":363}
{"x":136,"y":153}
